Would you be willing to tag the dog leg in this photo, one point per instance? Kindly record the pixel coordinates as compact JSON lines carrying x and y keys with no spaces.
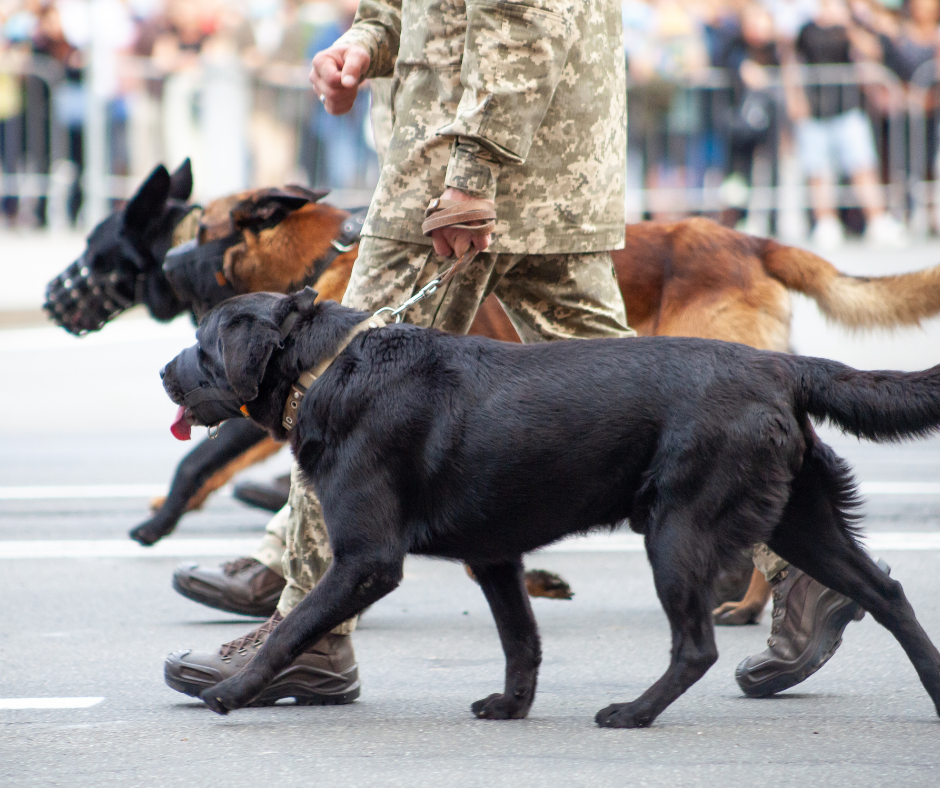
{"x":814,"y":536}
{"x":505,"y":590}
{"x":352,"y":583}
{"x":680,"y":585}
{"x":839,"y":563}
{"x":749,"y":609}
{"x":236,"y":436}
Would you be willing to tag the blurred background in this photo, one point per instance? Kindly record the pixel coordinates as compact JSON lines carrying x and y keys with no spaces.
{"x":727,"y":101}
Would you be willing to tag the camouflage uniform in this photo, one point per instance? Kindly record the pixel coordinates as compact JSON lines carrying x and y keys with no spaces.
{"x":518,"y":102}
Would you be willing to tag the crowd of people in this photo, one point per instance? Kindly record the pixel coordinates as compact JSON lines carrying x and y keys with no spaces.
{"x":672,"y":43}
{"x":175,"y":73}
{"x":161,"y":88}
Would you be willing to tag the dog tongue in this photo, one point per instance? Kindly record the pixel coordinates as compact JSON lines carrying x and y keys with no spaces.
{"x":181,"y":427}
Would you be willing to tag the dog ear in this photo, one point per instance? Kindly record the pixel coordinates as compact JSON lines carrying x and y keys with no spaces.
{"x":305,"y":299}
{"x":246,"y":344}
{"x":181,"y":181}
{"x":269,"y":207}
{"x":148,"y":202}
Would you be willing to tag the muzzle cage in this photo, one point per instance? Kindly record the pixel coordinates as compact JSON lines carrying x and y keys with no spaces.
{"x":82,"y":301}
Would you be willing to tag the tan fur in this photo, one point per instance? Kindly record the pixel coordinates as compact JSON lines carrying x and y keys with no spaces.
{"x":856,"y":301}
{"x":257,"y":453}
{"x":749,"y":609}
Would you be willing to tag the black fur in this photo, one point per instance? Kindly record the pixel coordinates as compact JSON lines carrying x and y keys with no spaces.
{"x":422,"y":442}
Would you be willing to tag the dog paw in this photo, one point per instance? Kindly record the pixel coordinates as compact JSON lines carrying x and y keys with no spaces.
{"x":734,"y":614}
{"x":144,"y":535}
{"x":622,"y":715}
{"x":499,"y":707}
{"x":221,"y":699}
{"x":542,"y":583}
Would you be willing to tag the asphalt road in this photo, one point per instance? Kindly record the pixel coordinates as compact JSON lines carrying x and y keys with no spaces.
{"x":91,"y":412}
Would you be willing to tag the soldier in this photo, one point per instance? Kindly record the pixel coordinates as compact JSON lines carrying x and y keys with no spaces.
{"x":521,"y":104}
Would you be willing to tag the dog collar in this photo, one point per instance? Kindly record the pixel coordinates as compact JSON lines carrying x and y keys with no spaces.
{"x":349,"y":235}
{"x":299,"y":389}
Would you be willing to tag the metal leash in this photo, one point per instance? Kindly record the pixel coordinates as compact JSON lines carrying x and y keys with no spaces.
{"x":430,"y":288}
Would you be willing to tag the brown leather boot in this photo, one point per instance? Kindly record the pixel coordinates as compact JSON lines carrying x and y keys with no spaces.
{"x":808,"y":622}
{"x":326,"y":674}
{"x":243,"y":586}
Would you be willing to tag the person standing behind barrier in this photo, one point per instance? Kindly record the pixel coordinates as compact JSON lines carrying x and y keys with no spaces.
{"x":521,"y":104}
{"x":834,"y":136}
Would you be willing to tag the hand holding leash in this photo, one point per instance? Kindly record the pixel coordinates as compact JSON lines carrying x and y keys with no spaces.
{"x":473,"y":219}
{"x":448,"y":223}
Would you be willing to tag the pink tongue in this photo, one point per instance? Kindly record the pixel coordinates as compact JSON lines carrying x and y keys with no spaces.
{"x":181,"y":427}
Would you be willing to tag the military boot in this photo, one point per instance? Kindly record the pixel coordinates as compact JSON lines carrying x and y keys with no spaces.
{"x":807,"y":626}
{"x":326,"y":673}
{"x":243,"y":586}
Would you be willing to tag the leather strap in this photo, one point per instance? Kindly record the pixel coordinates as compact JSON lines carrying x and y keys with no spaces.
{"x":299,"y":390}
{"x":456,"y":213}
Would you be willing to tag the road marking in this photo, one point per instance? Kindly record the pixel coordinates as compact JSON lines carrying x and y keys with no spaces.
{"x":93,"y":491}
{"x":81,"y":491}
{"x":125,"y":548}
{"x":48,"y":703}
{"x":619,"y":542}
{"x":899,"y":488}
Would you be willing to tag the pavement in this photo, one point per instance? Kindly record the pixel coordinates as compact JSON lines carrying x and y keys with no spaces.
{"x":88,"y":617}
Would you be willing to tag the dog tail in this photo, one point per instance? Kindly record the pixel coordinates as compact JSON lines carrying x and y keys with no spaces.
{"x":879,"y":406}
{"x":855,"y":301}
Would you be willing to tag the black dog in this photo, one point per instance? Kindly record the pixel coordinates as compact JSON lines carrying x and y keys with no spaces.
{"x":462,"y":447}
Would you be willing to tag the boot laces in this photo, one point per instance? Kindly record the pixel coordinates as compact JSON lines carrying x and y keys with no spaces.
{"x":234,"y":567}
{"x":253,"y":639}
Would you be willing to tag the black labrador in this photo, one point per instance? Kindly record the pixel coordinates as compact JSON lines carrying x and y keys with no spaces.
{"x":417,"y":441}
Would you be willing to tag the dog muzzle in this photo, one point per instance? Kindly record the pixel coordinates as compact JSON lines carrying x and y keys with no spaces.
{"x":194,"y":271}
{"x":202,"y":404}
{"x":81,"y":300}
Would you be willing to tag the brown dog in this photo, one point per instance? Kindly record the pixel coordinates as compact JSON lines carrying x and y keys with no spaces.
{"x":692,"y":278}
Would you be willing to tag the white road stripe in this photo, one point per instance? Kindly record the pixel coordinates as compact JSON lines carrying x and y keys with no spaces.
{"x":899,"y":488}
{"x":48,"y":703}
{"x":81,"y":491}
{"x":619,"y":542}
{"x":125,"y":548}
{"x":93,"y":491}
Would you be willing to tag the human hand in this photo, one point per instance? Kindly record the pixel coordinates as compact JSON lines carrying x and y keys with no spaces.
{"x":336,"y":73}
{"x":452,"y":241}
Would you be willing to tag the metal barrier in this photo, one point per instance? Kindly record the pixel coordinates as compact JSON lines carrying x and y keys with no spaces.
{"x":62,"y":145}
{"x":776,"y":186}
{"x":923,"y":102}
{"x":245,"y":128}
{"x":33,"y":145}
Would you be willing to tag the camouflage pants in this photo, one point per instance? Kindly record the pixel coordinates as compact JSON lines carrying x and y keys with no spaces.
{"x":767,"y":561}
{"x":547,"y":297}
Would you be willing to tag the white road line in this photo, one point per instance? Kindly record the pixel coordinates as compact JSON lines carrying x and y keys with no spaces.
{"x":93,"y":491}
{"x":125,"y":548}
{"x":81,"y":491}
{"x":899,"y":488}
{"x":619,"y":542}
{"x":48,"y":703}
